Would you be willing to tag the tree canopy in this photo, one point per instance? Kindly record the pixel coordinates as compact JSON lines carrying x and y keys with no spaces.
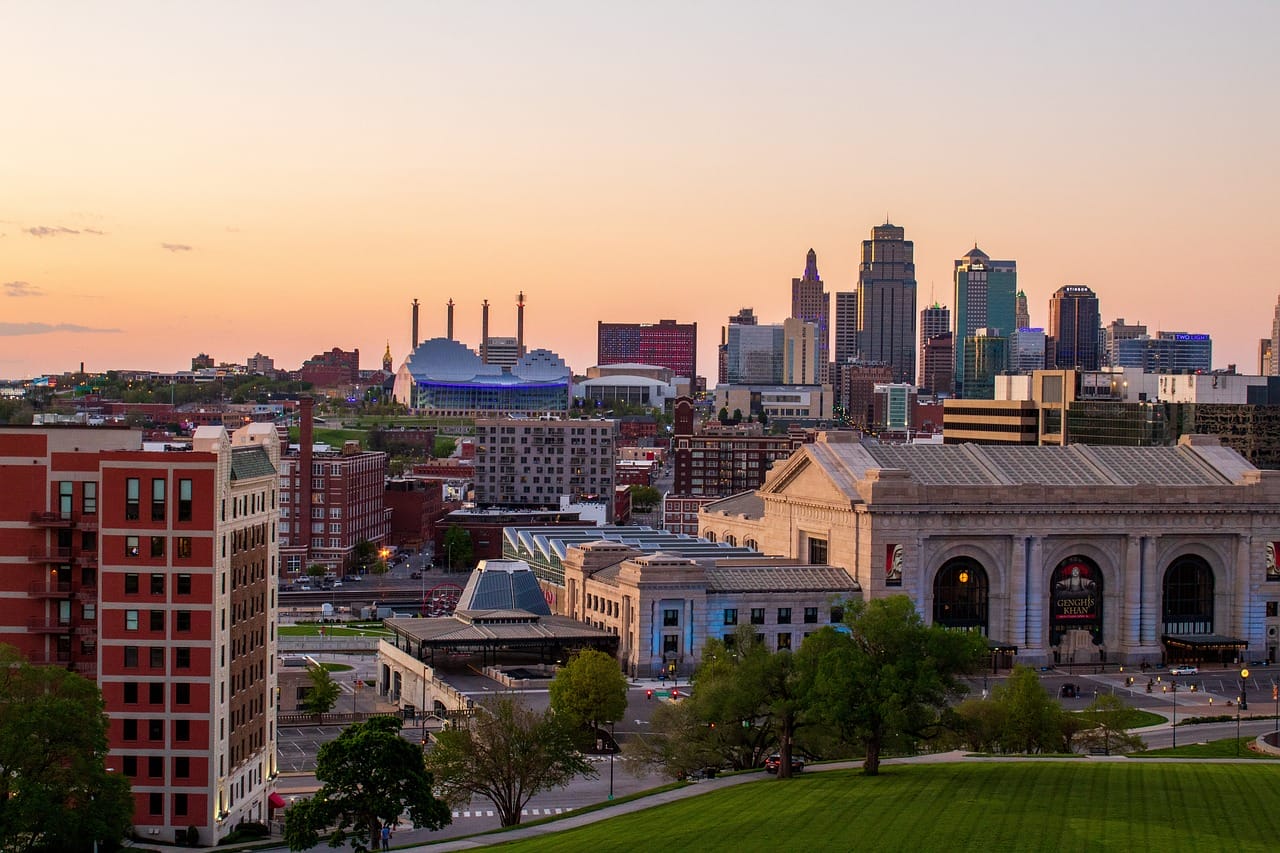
{"x":56,"y":792}
{"x":589,"y":690}
{"x":323,"y":694}
{"x":457,"y":548}
{"x":370,"y":775}
{"x":507,"y":753}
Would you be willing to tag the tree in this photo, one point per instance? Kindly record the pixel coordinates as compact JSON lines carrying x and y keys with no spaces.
{"x":763,"y":418}
{"x":644,"y":498}
{"x":1107,"y":718}
{"x":724,"y":416}
{"x":589,"y":690}
{"x":370,"y":777}
{"x":507,"y":755}
{"x":457,"y":547}
{"x":890,"y":676}
{"x":1031,"y":719}
{"x":55,"y":790}
{"x":737,"y":416}
{"x":363,"y":553}
{"x":317,"y":570}
{"x":323,"y":694}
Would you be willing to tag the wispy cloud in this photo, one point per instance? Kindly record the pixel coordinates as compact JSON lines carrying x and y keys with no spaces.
{"x":94,"y":231}
{"x":21,"y":288}
{"x":175,"y":247}
{"x":49,"y":230}
{"x":9,"y":330}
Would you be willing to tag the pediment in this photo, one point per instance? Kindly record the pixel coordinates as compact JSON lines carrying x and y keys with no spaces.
{"x":804,"y":478}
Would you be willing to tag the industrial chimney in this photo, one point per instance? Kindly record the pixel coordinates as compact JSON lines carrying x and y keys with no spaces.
{"x":484,"y":333}
{"x":520,"y":325}
{"x":415,"y":324}
{"x":450,"y":323}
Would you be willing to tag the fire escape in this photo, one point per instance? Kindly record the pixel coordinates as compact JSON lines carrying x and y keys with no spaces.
{"x":67,"y":559}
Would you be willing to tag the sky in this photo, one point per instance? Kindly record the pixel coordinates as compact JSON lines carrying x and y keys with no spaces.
{"x":286,"y":177}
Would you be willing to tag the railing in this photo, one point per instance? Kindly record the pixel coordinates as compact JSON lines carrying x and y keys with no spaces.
{"x":55,"y":589}
{"x":48,"y":624}
{"x":52,"y":519}
{"x":51,"y":554}
{"x":305,"y":719}
{"x":87,"y":593}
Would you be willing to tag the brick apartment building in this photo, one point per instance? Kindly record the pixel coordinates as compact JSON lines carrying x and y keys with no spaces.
{"x":715,"y":461}
{"x":154,"y":572}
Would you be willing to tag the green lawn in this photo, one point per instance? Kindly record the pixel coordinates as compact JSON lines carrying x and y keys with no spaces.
{"x":310,"y":629}
{"x":1005,"y":806}
{"x":1213,"y":749}
{"x":337,"y":667}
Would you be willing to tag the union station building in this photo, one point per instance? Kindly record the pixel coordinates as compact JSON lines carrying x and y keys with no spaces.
{"x":1076,"y":554}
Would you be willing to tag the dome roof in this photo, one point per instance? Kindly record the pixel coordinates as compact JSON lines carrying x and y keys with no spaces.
{"x":444,"y":360}
{"x":540,"y":365}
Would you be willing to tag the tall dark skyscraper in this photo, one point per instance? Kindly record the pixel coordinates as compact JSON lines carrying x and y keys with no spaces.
{"x":985,"y":298}
{"x":811,"y":302}
{"x":846,"y":326}
{"x":887,"y":301}
{"x":1073,"y":329}
{"x":934,"y":320}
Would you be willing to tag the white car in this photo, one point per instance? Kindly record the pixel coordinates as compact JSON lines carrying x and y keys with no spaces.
{"x":1184,"y":670}
{"x":337,"y":584}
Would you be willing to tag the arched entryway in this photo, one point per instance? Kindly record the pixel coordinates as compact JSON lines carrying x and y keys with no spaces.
{"x":1075,"y":611}
{"x":961,"y":592}
{"x":1186,"y":614}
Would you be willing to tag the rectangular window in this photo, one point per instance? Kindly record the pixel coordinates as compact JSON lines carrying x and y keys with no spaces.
{"x":66,"y":495}
{"x":130,"y":729}
{"x":784,"y":615}
{"x":757,"y":616}
{"x":131,"y":692}
{"x":182,"y":693}
{"x":181,"y":767}
{"x":131,"y":548}
{"x":184,"y":620}
{"x":155,"y":729}
{"x":731,"y":616}
{"x":131,"y":657}
{"x":837,"y":615}
{"x":131,"y":583}
{"x":157,"y":657}
{"x":810,"y":615}
{"x":155,"y":693}
{"x":157,"y":500}
{"x":670,"y":618}
{"x":184,"y":584}
{"x":155,"y":766}
{"x":184,"y":500}
{"x":817,"y":552}
{"x":182,"y":658}
{"x":1273,"y":608}
{"x":183,"y":548}
{"x":670,"y":643}
{"x":182,"y":730}
{"x":131,"y":620}
{"x":157,"y":583}
{"x":131,"y":499}
{"x":131,"y":765}
{"x":155,"y":803}
{"x":179,"y":804}
{"x":89,"y":503}
{"x":157,"y":546}
{"x":784,"y":641}
{"x":157,"y":620}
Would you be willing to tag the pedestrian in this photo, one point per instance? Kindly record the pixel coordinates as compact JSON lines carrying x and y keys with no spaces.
{"x":386,"y":836}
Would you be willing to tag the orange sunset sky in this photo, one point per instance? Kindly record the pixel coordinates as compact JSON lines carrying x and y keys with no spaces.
{"x":287,"y":177}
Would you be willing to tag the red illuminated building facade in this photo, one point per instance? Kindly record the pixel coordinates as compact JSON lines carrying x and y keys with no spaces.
{"x":664,"y":344}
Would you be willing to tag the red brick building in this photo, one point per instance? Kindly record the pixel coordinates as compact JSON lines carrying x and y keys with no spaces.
{"x":335,"y":367}
{"x":416,"y":505}
{"x":718,"y":462}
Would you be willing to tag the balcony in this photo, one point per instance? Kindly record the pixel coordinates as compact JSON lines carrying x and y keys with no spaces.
{"x":62,"y":659}
{"x":87,"y":594}
{"x":48,"y":625}
{"x":50,"y":588}
{"x":87,"y":629}
{"x":87,"y":667}
{"x":50,"y":554}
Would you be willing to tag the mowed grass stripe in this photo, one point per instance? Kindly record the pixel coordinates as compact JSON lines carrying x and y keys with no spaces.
{"x":1041,"y":805}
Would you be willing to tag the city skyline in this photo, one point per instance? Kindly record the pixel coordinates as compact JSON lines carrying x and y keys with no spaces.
{"x":188,"y":181}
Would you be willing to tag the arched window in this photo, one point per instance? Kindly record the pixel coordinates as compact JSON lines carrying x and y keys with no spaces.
{"x":1188,"y":596}
{"x":711,"y":536}
{"x":730,"y":539}
{"x":960,"y":593}
{"x":751,"y":543}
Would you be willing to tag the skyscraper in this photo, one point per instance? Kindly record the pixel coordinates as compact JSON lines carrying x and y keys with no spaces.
{"x":811,"y":303}
{"x":744,"y":317}
{"x":1021,"y":316}
{"x":985,"y":298}
{"x":1274,"y":369}
{"x":1073,"y":329}
{"x":934,"y":320}
{"x":887,"y":301}
{"x":846,"y":326}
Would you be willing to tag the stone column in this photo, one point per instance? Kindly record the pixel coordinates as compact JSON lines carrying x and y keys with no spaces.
{"x":1036,"y":601}
{"x":1246,"y":621}
{"x":1131,"y":566}
{"x":1017,"y":603}
{"x":1152,"y":595}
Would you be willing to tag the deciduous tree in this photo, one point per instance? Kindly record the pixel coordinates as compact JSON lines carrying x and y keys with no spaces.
{"x":457,"y":547}
{"x":589,"y":690}
{"x":323,"y":694}
{"x":370,"y":776}
{"x":507,"y":753}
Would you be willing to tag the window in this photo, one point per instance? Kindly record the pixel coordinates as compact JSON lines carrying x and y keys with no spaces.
{"x":65,"y":497}
{"x":131,"y":765}
{"x":157,"y":657}
{"x":784,"y":615}
{"x":837,"y":615}
{"x":155,"y":766}
{"x":131,"y":657}
{"x":184,"y":584}
{"x":181,"y":767}
{"x":157,"y":500}
{"x":155,"y":803}
{"x":155,"y":729}
{"x":131,"y":583}
{"x":182,"y":693}
{"x":182,"y":658}
{"x":784,"y":641}
{"x":731,"y":616}
{"x":183,"y":546}
{"x":757,"y":616}
{"x":184,"y":500}
{"x":89,"y":504}
{"x":155,"y":693}
{"x":157,"y":620}
{"x":131,"y":730}
{"x":817,"y":552}
{"x":157,"y":583}
{"x":157,"y":546}
{"x":810,"y":615}
{"x":131,"y":499}
{"x":131,"y":620}
{"x":182,"y":730}
{"x":670,"y":618}
{"x":179,"y":804}
{"x":131,"y":692}
{"x":670,"y":643}
{"x":183,"y":620}
{"x":131,"y":546}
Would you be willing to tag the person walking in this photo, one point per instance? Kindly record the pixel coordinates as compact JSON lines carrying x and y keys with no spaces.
{"x":386,"y":836}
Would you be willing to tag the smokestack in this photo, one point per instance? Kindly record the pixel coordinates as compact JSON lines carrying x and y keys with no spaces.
{"x":520,"y":324}
{"x":305,"y":441}
{"x":484,"y":333}
{"x":415,"y":324}
{"x":450,"y":324}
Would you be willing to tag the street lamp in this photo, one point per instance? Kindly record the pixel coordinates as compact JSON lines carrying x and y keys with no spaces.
{"x":1174,"y":687}
{"x":613,"y":747}
{"x":1242,"y":705}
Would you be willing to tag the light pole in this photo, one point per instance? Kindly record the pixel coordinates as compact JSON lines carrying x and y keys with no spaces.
{"x":613,"y":747}
{"x":1242,"y":705}
{"x":1174,"y":688}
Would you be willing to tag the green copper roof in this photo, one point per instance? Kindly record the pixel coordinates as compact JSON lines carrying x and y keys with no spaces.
{"x":250,"y":462}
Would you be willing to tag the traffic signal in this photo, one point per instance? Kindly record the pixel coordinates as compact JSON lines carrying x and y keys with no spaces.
{"x":648,"y":694}
{"x":1275,"y":692}
{"x":675,"y":692}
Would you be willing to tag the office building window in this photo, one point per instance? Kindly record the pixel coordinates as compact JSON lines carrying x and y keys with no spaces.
{"x":130,"y":730}
{"x":181,"y":767}
{"x":184,"y":500}
{"x":155,"y":693}
{"x":670,"y":643}
{"x":155,"y":729}
{"x":180,"y":804}
{"x":155,"y":803}
{"x":131,"y":765}
{"x":157,"y":500}
{"x":89,"y":500}
{"x":157,"y":546}
{"x":132,"y":499}
{"x":131,"y":657}
{"x":784,"y":641}
{"x":131,"y":583}
{"x":131,"y":620}
{"x":182,"y":658}
{"x":157,"y":620}
{"x":182,"y":730}
{"x":131,"y":692}
{"x":183,"y":547}
{"x":157,"y":657}
{"x":155,"y":766}
{"x":157,"y":583}
{"x":182,"y":693}
{"x":184,"y":584}
{"x":817,"y":552}
{"x":837,"y":615}
{"x":184,"y":620}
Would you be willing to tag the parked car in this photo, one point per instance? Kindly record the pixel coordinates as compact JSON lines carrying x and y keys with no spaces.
{"x":1184,"y":669}
{"x":353,"y":578}
{"x":415,"y":575}
{"x":773,"y":762}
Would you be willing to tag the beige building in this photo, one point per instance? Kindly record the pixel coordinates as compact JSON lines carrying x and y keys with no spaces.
{"x":1069,"y":554}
